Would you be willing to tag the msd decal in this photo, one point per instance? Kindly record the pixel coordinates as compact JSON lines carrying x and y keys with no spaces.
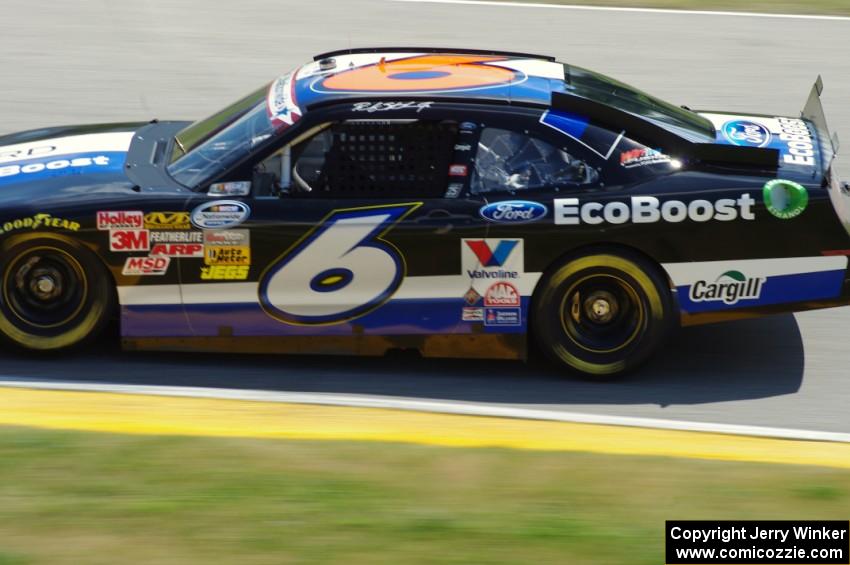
{"x":145,"y":266}
{"x":178,"y":249}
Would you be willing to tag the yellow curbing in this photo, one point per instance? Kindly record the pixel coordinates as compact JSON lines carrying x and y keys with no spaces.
{"x":162,"y":415}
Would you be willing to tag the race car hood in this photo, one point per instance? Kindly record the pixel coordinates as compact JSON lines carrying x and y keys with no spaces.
{"x":38,"y":163}
{"x":797,"y":140}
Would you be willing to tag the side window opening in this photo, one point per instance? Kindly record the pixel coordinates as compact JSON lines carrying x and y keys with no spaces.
{"x":509,"y":161}
{"x":357,"y":159}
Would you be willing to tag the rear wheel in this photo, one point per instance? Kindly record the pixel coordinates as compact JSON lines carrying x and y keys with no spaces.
{"x":55,"y":294}
{"x":602,"y":314}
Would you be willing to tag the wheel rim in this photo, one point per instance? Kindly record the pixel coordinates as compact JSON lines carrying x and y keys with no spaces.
{"x":602,"y":313}
{"x":45,"y":287}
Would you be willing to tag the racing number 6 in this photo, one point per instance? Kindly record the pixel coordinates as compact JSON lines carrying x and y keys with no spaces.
{"x":340,"y":270}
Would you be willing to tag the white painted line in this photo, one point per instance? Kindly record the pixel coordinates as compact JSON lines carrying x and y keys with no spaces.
{"x":435,"y":406}
{"x":633,"y":10}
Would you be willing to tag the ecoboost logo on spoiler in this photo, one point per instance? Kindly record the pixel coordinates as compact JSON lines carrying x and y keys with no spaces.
{"x":730,"y":288}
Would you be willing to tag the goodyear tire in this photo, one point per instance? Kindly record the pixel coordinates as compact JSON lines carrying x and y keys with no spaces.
{"x":55,"y":294}
{"x":602,"y":314}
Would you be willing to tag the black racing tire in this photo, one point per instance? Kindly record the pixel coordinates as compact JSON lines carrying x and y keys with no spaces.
{"x":56,"y":294}
{"x":602,"y":314}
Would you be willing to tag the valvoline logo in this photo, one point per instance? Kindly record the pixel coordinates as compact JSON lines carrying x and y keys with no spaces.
{"x":492,"y":257}
{"x":513,"y":211}
{"x":745,"y":133}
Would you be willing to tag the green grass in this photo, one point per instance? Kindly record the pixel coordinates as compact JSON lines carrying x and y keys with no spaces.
{"x":69,"y":497}
{"x":834,"y":7}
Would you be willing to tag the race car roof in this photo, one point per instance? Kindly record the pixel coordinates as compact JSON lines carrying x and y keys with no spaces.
{"x":435,"y":73}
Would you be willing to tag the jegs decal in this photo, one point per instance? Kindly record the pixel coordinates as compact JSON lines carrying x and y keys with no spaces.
{"x":340,"y":270}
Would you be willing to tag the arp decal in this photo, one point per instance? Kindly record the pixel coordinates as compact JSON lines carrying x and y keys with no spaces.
{"x":423,"y":73}
{"x":340,"y":270}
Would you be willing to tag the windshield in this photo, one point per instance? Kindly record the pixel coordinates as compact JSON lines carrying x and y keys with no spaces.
{"x":603,"y":89}
{"x":212,"y":145}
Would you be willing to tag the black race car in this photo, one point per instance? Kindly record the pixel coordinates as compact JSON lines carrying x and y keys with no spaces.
{"x":462,"y":203}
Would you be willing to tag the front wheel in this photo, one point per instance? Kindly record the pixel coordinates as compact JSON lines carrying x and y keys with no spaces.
{"x":55,"y":294}
{"x":602,"y":314}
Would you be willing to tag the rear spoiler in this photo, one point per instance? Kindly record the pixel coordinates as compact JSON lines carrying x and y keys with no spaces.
{"x":652,"y":134}
{"x":813,"y":112}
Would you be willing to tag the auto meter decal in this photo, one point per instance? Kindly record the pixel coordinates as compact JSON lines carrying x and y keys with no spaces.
{"x":423,"y":73}
{"x":220,"y":214}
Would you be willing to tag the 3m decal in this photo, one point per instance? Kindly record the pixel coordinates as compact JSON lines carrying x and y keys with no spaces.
{"x":649,"y":209}
{"x":729,"y":288}
{"x":785,"y":199}
{"x":111,"y":220}
{"x":129,"y":240}
{"x":220,"y":214}
{"x":423,"y":73}
{"x":146,"y":266}
{"x":38,"y":221}
{"x":746,"y":133}
{"x":513,"y":211}
{"x":340,"y":270}
{"x":225,"y":273}
{"x":167,"y":221}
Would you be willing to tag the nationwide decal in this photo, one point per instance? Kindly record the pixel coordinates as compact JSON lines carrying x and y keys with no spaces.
{"x":120,"y":219}
{"x":167,"y":221}
{"x":502,"y":317}
{"x":501,"y":294}
{"x":472,"y":314}
{"x":513,"y":211}
{"x":220,"y":214}
{"x":129,"y":240}
{"x":730,"y":288}
{"x":224,"y":273}
{"x":785,"y":199}
{"x":178,"y":249}
{"x":649,"y":209}
{"x":643,"y":157}
{"x":492,"y":259}
{"x":146,"y":266}
{"x":801,"y":147}
{"x":746,"y":133}
{"x":177,"y":237}
{"x":37,"y":221}
{"x":227,"y":247}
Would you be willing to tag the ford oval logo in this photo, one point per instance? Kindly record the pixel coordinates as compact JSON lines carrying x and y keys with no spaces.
{"x":513,"y":211}
{"x":744,"y":133}
{"x":220,"y":214}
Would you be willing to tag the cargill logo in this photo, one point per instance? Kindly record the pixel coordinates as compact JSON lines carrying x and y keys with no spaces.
{"x":492,"y":257}
{"x":729,"y":288}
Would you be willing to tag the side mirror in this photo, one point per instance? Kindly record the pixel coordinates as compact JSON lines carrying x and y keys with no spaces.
{"x":238,"y":188}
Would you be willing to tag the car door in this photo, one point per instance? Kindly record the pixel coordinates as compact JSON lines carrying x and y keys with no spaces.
{"x":363,"y":237}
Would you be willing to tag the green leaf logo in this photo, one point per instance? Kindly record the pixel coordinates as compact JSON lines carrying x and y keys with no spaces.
{"x":734,"y":275}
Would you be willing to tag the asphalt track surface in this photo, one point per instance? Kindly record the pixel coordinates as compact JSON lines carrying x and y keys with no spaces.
{"x":84,"y":61}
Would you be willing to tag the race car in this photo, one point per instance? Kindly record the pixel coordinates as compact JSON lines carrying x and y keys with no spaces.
{"x":457,"y":202}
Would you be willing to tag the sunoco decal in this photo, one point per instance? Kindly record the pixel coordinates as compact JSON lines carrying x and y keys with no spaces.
{"x":649,"y":209}
{"x":220,"y":214}
{"x":785,"y":199}
{"x":513,"y":211}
